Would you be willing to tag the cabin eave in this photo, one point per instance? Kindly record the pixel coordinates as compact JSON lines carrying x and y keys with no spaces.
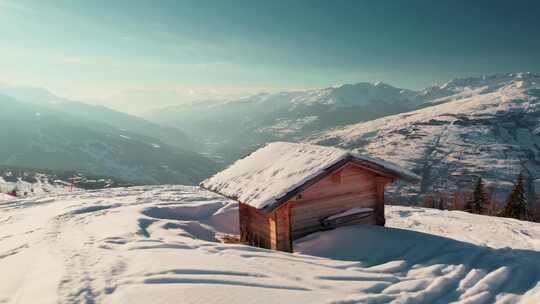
{"x":271,"y":207}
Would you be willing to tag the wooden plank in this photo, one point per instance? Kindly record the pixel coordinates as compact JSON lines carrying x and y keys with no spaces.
{"x":330,"y":191}
{"x":273,"y":231}
{"x":299,"y":233}
{"x":379,"y":207}
{"x":336,"y":177}
{"x":302,"y":205}
{"x":331,"y":206}
{"x":357,"y":188}
{"x":283,"y":228}
{"x":335,"y":197}
{"x":311,"y":222}
{"x":353,"y":170}
{"x":254,"y":227}
{"x":326,"y":188}
{"x":300,"y":217}
{"x":331,"y":210}
{"x":291,"y":194}
{"x":244,"y":222}
{"x":333,"y":222}
{"x":352,"y":184}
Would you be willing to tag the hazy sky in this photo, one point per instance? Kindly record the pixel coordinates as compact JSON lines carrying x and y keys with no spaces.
{"x":134,"y":54}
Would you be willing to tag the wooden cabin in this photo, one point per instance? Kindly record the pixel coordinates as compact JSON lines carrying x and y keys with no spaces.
{"x":288,"y":190}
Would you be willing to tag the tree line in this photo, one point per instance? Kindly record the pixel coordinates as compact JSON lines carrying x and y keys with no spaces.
{"x":478,"y":201}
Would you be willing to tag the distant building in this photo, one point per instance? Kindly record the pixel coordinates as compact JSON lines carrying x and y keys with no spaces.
{"x":289,"y":190}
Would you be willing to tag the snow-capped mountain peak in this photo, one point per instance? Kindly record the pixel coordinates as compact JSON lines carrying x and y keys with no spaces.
{"x":488,"y":127}
{"x":361,"y":93}
{"x":463,"y":87}
{"x":297,"y":115}
{"x":380,"y":84}
{"x":493,"y":81}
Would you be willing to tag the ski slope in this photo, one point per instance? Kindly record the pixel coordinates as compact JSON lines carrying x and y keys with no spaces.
{"x":159,"y":245}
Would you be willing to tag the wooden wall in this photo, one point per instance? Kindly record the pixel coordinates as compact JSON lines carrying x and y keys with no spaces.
{"x":347,"y":188}
{"x":284,"y":240}
{"x":256,"y":228}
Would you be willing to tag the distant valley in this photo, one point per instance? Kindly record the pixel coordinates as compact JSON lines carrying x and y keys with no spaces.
{"x":233,"y":128}
{"x":57,"y":134}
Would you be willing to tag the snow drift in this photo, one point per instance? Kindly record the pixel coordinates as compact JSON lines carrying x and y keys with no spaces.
{"x":160,"y":245}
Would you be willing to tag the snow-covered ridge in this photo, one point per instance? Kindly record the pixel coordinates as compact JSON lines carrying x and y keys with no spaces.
{"x":355,"y":94}
{"x":365,"y":92}
{"x":235,"y":127}
{"x":490,"y":133}
{"x":160,"y":244}
{"x":95,"y":140}
{"x":41,"y":185}
{"x":338,"y":95}
{"x":509,"y":97}
{"x":495,"y":80}
{"x":27,"y":182}
{"x":459,"y":88}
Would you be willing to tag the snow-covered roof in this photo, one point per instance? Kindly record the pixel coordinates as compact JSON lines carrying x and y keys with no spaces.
{"x":265,"y":178}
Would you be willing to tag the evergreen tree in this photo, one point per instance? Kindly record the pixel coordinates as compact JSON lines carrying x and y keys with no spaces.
{"x":478,"y":201}
{"x":441,"y":203}
{"x":516,"y":204}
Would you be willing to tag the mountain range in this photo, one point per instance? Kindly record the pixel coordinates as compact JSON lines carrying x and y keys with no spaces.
{"x":451,"y":134}
{"x":485,"y":127}
{"x":233,"y":128}
{"x":43,"y":132}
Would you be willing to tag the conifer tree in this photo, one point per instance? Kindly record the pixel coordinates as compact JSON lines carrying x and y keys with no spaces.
{"x":479,"y":200}
{"x":441,"y":203}
{"x":516,"y":204}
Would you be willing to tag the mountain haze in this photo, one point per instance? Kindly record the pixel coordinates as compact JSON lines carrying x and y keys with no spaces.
{"x":74,"y":136}
{"x":232,"y":128}
{"x":98,"y":116}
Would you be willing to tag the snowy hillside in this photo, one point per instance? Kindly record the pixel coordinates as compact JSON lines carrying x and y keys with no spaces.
{"x":232,"y":128}
{"x":40,"y":186}
{"x":31,"y":182}
{"x":159,"y":245}
{"x":97,"y":117}
{"x":466,"y":87}
{"x":488,"y":126}
{"x":91,"y":139}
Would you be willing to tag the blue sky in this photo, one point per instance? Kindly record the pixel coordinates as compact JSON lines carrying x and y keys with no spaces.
{"x":129,"y":54}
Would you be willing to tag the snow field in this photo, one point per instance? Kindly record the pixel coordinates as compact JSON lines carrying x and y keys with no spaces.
{"x":159,"y":245}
